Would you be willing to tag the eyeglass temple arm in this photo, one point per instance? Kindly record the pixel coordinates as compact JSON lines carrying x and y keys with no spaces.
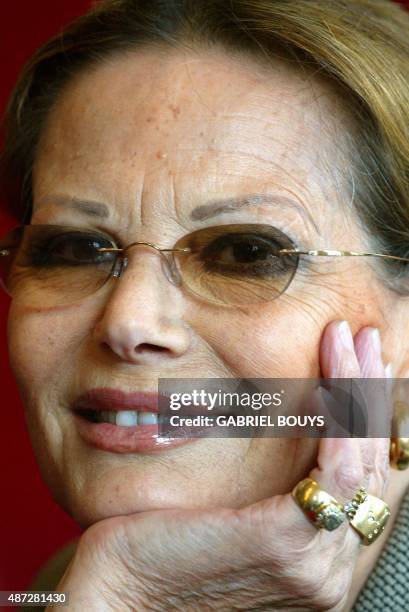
{"x":319,"y":253}
{"x":329,"y":253}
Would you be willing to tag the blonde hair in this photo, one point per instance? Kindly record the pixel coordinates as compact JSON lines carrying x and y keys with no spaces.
{"x":362,"y":45}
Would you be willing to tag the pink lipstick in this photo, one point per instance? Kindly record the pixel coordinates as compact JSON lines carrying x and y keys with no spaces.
{"x":120,"y":422}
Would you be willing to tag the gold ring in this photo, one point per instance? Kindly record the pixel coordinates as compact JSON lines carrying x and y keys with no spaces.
{"x":399,"y":453}
{"x":368,"y":515}
{"x":321,"y":509}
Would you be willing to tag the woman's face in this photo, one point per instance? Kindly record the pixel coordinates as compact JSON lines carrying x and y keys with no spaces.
{"x":152,"y":136}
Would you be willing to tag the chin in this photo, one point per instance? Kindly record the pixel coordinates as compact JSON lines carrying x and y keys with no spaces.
{"x":107,"y":498}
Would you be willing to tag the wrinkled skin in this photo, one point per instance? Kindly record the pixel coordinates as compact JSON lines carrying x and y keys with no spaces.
{"x":152,"y":136}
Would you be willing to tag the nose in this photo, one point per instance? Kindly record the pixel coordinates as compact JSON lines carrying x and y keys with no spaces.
{"x":142,"y":321}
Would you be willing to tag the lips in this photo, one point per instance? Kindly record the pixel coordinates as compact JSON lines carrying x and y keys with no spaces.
{"x":115,"y":399}
{"x":124,"y":409}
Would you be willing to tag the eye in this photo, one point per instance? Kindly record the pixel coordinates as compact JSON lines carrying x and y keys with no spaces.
{"x":247,"y":253}
{"x":241,"y":248}
{"x":71,"y":249}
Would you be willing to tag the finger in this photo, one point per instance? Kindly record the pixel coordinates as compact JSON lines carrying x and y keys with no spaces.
{"x":375,"y":381}
{"x":377,"y":393}
{"x":339,"y":360}
{"x":367,"y":343}
{"x":369,"y":352}
{"x":374,"y":393}
{"x":339,"y":460}
{"x":340,"y":471}
{"x":370,"y":389}
{"x":337,"y":352}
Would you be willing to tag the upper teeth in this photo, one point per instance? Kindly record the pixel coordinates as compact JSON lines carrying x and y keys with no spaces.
{"x":127,"y":418}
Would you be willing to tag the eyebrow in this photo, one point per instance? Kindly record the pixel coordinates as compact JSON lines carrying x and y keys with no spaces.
{"x":203,"y":212}
{"x":91,"y":208}
{"x":216,"y":207}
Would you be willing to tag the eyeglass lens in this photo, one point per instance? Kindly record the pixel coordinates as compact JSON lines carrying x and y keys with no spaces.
{"x":234,"y":264}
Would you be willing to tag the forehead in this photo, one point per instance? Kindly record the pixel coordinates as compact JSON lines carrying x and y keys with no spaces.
{"x":202,"y":121}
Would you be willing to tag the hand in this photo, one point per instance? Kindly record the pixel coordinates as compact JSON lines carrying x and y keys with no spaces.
{"x":264,"y":556}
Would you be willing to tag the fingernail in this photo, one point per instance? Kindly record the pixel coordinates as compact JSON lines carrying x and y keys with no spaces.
{"x":389,"y":371}
{"x":345,"y":336}
{"x":376,"y":340}
{"x":389,"y":383}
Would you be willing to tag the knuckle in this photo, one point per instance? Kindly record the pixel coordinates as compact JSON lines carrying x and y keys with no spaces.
{"x":327,"y":587}
{"x":332,"y":596}
{"x":309,"y":589}
{"x":265,"y":522}
{"x":384,"y":462}
{"x":349,"y":477}
{"x":368,"y":455}
{"x":104,"y":540}
{"x":382,"y":471}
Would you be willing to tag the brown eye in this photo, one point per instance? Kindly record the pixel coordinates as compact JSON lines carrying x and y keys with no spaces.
{"x":241,"y":248}
{"x":71,"y":249}
{"x":237,"y":264}
{"x":244,"y":254}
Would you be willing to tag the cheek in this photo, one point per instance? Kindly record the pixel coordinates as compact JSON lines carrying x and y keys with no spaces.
{"x":281,"y":339}
{"x":41,"y":346}
{"x":267,"y":341}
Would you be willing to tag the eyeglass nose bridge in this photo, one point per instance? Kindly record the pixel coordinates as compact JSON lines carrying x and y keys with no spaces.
{"x":168,"y":261}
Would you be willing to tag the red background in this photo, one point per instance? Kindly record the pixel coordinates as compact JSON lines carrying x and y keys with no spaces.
{"x":32,"y":526}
